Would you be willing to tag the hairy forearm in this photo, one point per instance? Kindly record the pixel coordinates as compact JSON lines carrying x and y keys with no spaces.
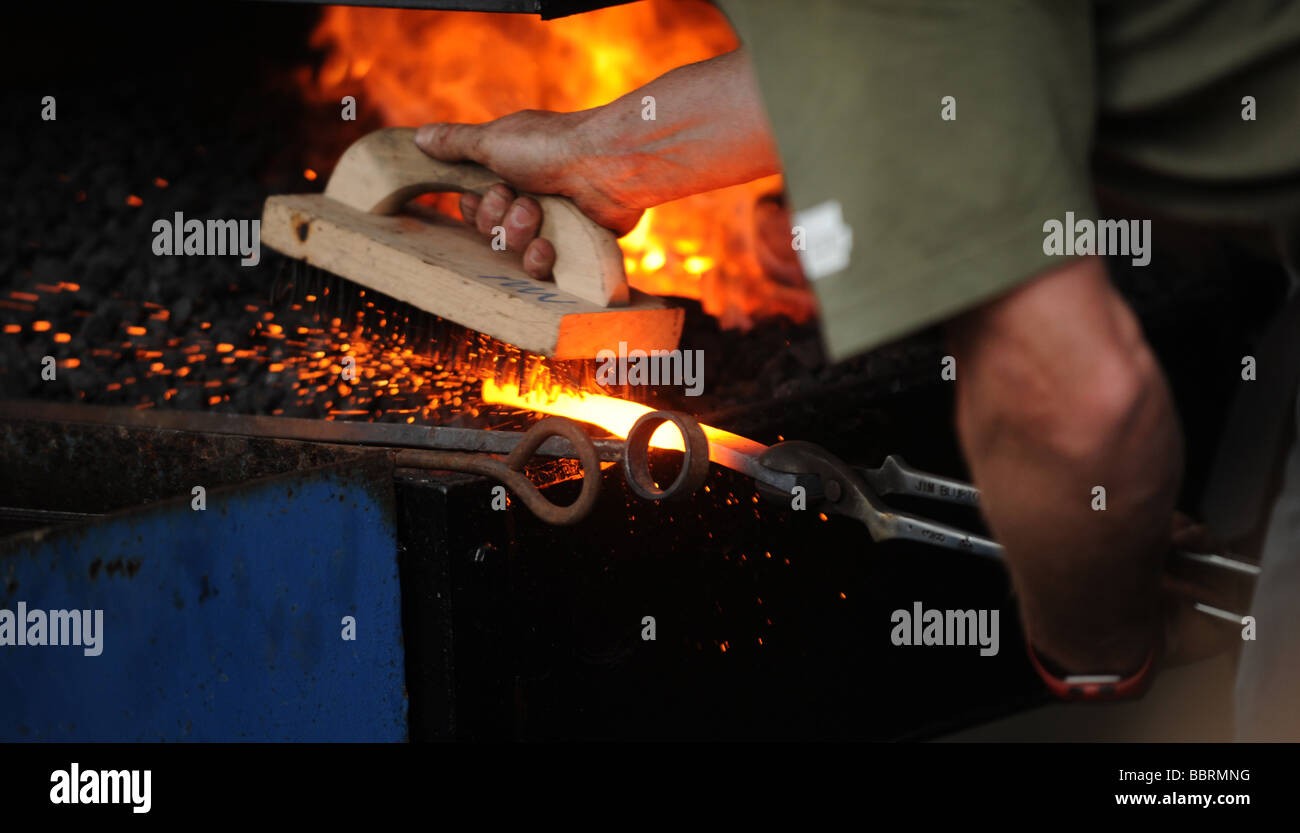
{"x":710,"y":131}
{"x":1058,"y":394}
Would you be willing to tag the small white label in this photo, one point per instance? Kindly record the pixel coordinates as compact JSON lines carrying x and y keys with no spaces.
{"x":828,"y":240}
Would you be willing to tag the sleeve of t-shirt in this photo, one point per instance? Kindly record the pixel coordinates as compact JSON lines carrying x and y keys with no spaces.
{"x":924,"y":143}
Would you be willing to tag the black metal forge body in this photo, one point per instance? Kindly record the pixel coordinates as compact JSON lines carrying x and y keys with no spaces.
{"x":717,"y":617}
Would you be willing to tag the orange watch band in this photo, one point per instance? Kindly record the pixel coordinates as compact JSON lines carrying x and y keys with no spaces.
{"x":1094,"y":687}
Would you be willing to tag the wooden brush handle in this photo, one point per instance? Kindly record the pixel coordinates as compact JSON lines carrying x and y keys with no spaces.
{"x":384,"y":170}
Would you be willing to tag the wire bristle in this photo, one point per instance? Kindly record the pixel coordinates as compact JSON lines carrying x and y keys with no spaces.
{"x":329,"y":298}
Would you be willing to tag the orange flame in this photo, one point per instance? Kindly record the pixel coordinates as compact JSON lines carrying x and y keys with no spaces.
{"x":423,"y":66}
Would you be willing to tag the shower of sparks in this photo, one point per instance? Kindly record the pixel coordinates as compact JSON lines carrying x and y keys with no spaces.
{"x":287,"y":348}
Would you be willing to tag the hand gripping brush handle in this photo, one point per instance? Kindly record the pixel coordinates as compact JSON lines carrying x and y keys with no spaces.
{"x":383,"y":171}
{"x":364,"y":229}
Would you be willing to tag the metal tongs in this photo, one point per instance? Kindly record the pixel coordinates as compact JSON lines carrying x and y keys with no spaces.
{"x":827,"y":482}
{"x":832,"y":485}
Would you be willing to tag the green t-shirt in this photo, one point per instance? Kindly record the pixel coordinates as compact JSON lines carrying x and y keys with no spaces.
{"x":946,"y":199}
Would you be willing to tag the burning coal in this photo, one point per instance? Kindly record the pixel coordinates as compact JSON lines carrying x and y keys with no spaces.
{"x":129,"y":332}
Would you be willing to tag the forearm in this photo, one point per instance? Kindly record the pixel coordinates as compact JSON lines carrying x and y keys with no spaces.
{"x":1058,"y":394}
{"x":710,"y":131}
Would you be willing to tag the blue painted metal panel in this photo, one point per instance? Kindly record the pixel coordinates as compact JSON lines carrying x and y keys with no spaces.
{"x":222,"y":624}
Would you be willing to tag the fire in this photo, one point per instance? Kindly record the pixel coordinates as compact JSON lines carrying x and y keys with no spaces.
{"x":422,"y":66}
{"x":410,"y":67}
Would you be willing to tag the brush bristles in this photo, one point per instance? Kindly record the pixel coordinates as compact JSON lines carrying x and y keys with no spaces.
{"x":332,"y":300}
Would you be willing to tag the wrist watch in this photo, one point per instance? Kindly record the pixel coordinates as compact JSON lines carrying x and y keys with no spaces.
{"x":1092,"y":687}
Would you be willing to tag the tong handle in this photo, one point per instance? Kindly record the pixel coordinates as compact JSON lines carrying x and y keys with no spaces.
{"x":510,"y":470}
{"x":855,"y":492}
{"x":382,"y":171}
{"x":896,"y":477}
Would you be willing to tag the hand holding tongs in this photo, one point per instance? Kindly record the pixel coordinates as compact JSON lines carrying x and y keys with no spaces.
{"x":835,"y":486}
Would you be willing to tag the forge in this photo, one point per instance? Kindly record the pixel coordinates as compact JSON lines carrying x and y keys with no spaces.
{"x":473,"y":621}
